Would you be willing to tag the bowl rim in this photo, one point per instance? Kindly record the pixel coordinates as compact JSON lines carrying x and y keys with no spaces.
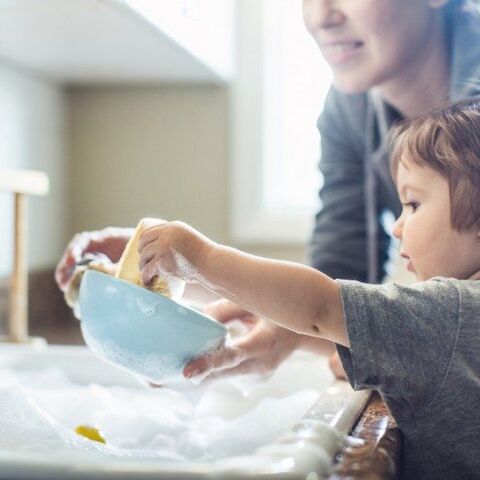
{"x":146,"y":291}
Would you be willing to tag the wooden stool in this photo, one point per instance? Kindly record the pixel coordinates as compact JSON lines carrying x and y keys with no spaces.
{"x":21,"y":183}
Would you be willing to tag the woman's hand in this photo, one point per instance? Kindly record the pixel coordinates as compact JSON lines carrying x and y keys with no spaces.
{"x":260,"y":350}
{"x":110,"y":242}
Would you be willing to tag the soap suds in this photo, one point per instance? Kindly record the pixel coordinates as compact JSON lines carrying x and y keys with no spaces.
{"x":190,"y":273}
{"x":41,"y":409}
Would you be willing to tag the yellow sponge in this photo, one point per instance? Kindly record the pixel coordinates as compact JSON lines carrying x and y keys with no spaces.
{"x":128,"y":269}
{"x":91,"y":433}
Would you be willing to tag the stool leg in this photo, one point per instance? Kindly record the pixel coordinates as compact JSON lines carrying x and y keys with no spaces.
{"x":18,"y":321}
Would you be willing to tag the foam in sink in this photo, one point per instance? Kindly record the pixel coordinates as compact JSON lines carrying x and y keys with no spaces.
{"x":40,"y":410}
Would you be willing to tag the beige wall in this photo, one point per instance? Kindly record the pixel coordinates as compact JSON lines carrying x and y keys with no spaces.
{"x":153,"y":152}
{"x":149,"y":152}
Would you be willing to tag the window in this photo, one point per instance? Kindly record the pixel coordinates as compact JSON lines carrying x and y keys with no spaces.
{"x":280,"y":91}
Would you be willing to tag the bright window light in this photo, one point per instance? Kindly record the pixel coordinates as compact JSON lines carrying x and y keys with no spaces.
{"x":296,"y":81}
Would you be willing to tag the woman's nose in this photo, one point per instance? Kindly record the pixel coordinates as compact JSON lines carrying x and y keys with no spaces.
{"x":321,"y":14}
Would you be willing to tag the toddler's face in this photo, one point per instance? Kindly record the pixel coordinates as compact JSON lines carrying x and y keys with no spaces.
{"x":428,"y":241}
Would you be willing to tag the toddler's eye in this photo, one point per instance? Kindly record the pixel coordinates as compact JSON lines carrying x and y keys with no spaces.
{"x":412,"y":206}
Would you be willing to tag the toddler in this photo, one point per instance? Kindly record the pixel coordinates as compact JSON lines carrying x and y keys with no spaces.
{"x":418,"y":345}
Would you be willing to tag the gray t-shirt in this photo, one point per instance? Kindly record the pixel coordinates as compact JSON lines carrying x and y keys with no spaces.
{"x":419,"y":346}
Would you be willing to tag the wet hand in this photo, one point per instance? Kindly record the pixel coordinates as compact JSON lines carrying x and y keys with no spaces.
{"x":110,"y":242}
{"x":259,"y":351}
{"x":172,"y":249}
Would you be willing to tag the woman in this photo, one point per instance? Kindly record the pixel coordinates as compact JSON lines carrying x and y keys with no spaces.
{"x":391,"y":60}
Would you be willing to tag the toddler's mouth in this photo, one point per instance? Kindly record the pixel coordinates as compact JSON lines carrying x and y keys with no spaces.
{"x":410,"y":267}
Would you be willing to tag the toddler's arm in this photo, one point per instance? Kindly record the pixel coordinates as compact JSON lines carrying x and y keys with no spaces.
{"x":295,"y":296}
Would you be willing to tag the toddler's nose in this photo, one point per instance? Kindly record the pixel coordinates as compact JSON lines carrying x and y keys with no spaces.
{"x":398,"y":228}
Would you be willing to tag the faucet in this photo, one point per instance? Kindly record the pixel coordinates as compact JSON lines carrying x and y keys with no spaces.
{"x":21,"y":183}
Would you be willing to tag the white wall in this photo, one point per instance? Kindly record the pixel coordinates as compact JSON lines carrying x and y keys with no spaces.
{"x":32,"y":127}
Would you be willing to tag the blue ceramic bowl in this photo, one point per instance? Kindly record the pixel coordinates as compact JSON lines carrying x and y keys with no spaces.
{"x":142,"y":331}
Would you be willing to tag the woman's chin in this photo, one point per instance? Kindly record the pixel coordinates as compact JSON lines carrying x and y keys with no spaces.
{"x":359,"y":78}
{"x":349,"y":85}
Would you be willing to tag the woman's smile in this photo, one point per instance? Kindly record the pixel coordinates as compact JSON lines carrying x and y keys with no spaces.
{"x":340,"y":52}
{"x":375,"y":43}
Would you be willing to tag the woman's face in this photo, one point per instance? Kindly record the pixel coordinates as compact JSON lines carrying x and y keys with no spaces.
{"x":369,"y":42}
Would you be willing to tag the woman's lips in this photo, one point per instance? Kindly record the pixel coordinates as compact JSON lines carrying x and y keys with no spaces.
{"x":338,"y":53}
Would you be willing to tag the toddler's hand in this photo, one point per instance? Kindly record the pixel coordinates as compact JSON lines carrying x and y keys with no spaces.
{"x":172,"y":249}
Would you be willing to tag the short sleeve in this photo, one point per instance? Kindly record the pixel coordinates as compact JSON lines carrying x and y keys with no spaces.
{"x":401,"y":337}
